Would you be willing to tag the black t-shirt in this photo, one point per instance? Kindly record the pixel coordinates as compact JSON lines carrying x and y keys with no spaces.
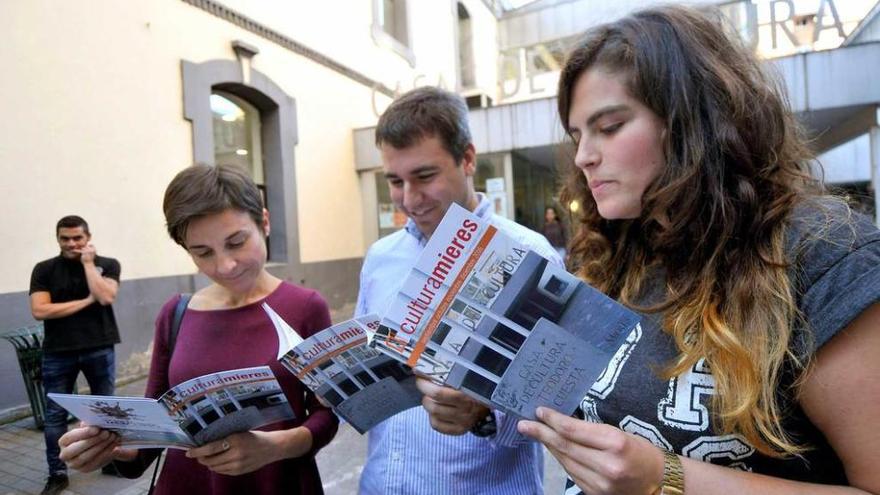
{"x":65,"y":280}
{"x":835,"y":261}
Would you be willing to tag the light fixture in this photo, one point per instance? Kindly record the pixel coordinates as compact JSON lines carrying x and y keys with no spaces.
{"x":241,"y":152}
{"x":574,"y":206}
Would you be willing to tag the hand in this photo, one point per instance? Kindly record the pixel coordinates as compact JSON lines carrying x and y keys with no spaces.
{"x":451,"y":412}
{"x":601,"y":459}
{"x":87,"y":254}
{"x":242,"y":453}
{"x":87,"y":448}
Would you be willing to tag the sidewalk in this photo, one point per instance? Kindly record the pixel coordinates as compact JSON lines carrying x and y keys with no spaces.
{"x":23,"y":461}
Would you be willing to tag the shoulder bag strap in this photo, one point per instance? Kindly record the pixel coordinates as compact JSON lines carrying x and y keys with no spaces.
{"x":179,"y":309}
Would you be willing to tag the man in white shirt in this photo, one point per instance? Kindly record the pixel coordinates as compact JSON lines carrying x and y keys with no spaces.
{"x":453,"y":444}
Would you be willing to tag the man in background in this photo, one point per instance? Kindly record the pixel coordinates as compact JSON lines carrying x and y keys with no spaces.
{"x":72,"y":294}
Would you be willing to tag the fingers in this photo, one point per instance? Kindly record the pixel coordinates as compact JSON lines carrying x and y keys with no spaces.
{"x":449,"y":426}
{"x":453,"y":418}
{"x":236,"y":454}
{"x":596,"y":436}
{"x":427,"y":387}
{"x":573,"y":458}
{"x":82,"y":432}
{"x":441,"y":394}
{"x":89,"y":452}
{"x":212,"y":449}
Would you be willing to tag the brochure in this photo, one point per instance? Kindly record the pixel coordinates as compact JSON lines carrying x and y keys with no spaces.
{"x":192,"y":413}
{"x":363,"y":386}
{"x":481,"y":313}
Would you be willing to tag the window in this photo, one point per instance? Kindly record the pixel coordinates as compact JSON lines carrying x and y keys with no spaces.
{"x":390,"y":218}
{"x":237,"y":135}
{"x":391,"y":27}
{"x":465,"y":48}
{"x":393,"y":19}
{"x":238,"y":140}
{"x":251,"y":124}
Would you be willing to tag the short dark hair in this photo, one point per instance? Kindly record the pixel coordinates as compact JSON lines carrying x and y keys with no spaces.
{"x":423,"y":113}
{"x":72,"y":222}
{"x":202,"y":190}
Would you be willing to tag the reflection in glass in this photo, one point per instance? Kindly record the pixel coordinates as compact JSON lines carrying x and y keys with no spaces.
{"x":237,"y":135}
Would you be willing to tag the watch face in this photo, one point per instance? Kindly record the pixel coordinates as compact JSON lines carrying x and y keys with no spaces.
{"x":485,"y":427}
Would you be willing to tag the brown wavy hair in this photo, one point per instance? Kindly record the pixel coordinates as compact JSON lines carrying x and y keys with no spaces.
{"x":714,"y":220}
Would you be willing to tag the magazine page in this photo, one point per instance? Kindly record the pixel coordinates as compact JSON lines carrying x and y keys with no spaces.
{"x":216,"y":405}
{"x":482,"y":313}
{"x":139,"y":422}
{"x":363,"y":386}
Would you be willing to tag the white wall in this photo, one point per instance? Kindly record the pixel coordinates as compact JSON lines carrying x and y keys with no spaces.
{"x":93,"y":98}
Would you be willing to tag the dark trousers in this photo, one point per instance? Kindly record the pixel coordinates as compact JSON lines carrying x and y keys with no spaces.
{"x":60,"y":370}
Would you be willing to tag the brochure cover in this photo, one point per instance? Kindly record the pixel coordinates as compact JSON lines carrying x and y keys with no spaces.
{"x":482,"y":313}
{"x":363,"y":386}
{"x":192,"y":413}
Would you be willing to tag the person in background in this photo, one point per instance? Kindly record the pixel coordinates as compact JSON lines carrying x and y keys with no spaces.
{"x":554,"y":231}
{"x":73,"y":294}
{"x":755,"y":366}
{"x":216,"y":214}
{"x":453,"y":444}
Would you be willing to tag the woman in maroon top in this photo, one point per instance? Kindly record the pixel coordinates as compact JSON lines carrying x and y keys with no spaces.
{"x":216,"y":214}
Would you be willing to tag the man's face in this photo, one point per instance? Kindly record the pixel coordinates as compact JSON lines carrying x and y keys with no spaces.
{"x":72,"y":240}
{"x":424,"y":180}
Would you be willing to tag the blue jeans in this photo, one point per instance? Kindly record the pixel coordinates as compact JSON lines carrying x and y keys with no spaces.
{"x":60,"y":370}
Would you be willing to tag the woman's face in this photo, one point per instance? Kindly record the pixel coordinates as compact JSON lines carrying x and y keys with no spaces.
{"x":550,"y":215}
{"x":619,"y":143}
{"x":229,"y":248}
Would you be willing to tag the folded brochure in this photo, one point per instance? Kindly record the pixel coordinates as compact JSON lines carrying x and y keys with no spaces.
{"x":195,"y":412}
{"x":363,"y":386}
{"x":482,"y":313}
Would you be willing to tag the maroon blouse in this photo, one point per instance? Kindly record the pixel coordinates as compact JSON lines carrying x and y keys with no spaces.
{"x":218,"y":340}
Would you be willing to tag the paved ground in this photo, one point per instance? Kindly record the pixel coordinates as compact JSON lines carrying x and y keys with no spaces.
{"x":23,"y":463}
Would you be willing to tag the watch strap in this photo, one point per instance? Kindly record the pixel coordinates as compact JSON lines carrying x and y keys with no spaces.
{"x":673,"y":475}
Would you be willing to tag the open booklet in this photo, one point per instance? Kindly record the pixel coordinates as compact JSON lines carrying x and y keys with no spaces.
{"x":363,"y":386}
{"x":481,"y":313}
{"x":192,"y":413}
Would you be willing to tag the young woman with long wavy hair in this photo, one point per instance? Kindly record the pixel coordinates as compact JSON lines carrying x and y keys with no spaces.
{"x":755,"y":368}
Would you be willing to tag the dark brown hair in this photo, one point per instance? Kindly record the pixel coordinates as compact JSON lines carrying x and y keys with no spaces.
{"x":426,"y":112}
{"x":714,"y":219}
{"x":72,"y":222}
{"x":203,"y":190}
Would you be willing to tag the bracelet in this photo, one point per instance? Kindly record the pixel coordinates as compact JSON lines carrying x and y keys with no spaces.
{"x":673,"y":475}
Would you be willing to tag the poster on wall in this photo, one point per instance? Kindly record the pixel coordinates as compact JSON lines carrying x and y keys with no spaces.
{"x":497,"y":195}
{"x":386,"y":216}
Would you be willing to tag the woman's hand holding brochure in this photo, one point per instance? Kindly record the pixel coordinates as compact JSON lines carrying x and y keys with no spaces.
{"x":248,"y":451}
{"x":87,"y":448}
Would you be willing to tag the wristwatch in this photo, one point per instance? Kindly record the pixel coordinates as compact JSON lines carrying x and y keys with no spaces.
{"x":673,"y":475}
{"x":486,"y":426}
